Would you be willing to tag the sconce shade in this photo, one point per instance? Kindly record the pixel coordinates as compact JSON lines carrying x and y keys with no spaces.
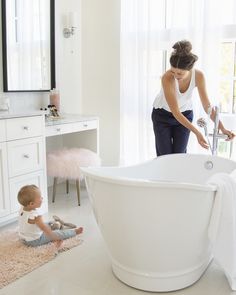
{"x":73,"y":19}
{"x":72,"y":25}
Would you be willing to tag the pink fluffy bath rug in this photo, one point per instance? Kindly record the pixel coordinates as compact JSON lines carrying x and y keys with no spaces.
{"x":14,"y":256}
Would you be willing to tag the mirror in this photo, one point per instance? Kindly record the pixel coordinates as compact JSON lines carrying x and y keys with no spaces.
{"x":28,"y":36}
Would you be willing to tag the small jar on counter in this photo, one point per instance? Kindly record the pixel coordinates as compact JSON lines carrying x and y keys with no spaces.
{"x":55,"y":98}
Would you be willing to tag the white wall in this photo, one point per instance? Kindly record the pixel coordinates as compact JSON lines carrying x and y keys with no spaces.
{"x":101,"y":71}
{"x":68,"y":57}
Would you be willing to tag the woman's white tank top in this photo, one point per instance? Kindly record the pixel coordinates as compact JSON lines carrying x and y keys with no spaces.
{"x":184,"y":99}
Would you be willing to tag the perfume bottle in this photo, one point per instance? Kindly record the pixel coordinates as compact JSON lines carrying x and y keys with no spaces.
{"x":55,"y":98}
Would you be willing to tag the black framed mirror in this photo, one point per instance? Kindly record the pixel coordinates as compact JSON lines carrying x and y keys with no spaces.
{"x":28,"y":41}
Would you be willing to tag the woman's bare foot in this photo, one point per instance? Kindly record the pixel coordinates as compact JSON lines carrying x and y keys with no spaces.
{"x":79,"y":230}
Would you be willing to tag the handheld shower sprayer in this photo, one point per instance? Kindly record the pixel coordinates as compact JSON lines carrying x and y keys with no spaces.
{"x":201,"y":122}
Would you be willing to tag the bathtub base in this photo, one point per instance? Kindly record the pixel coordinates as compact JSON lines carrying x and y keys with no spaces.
{"x":158,"y":282}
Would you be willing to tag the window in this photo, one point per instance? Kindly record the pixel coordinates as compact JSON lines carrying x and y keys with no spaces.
{"x":148,"y":29}
{"x":228,"y":77}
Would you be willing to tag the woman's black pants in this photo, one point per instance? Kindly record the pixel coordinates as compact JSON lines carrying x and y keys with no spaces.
{"x":170,"y":136}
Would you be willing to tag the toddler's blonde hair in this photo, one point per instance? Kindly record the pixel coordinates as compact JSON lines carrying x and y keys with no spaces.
{"x":27,"y":194}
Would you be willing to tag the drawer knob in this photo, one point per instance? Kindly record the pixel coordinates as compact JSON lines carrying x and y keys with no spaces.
{"x":85,"y":125}
{"x":58,"y":129}
{"x":26,"y":156}
{"x":25,"y":127}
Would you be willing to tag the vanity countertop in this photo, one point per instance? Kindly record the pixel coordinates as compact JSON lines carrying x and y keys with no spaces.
{"x":69,"y":118}
{"x":8,"y":115}
{"x":63,"y":119}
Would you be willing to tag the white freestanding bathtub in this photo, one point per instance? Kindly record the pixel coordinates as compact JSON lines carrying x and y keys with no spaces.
{"x":154,"y":218}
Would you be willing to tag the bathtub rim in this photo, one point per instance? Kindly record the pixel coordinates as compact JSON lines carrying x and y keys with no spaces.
{"x":95,"y":174}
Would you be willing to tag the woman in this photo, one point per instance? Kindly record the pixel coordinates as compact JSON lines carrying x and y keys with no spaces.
{"x":172,"y":114}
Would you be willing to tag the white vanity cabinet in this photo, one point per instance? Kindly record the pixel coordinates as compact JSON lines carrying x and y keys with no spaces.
{"x":4,"y":191}
{"x":23,"y":161}
{"x":4,"y":188}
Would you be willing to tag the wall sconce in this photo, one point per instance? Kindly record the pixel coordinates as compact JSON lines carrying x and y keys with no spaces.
{"x":72,"y":25}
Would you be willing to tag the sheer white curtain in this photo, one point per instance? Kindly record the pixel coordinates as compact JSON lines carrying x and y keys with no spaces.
{"x":147,"y":28}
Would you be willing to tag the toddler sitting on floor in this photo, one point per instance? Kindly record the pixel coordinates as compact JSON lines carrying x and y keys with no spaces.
{"x":33,"y":231}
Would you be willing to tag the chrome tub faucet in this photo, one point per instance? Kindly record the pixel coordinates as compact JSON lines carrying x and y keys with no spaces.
{"x":201,"y":122}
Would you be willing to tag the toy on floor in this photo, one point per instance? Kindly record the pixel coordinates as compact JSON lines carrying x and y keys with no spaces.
{"x":58,"y":223}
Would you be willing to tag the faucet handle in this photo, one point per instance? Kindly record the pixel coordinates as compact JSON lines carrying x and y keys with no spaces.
{"x":219,"y":135}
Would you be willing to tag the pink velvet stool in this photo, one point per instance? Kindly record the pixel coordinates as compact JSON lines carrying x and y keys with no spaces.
{"x":66,"y":163}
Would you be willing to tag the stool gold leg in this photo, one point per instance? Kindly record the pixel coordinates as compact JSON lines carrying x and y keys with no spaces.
{"x":78,"y":190}
{"x":54,"y":189}
{"x":67,"y":186}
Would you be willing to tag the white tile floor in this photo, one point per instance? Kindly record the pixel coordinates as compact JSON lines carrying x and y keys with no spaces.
{"x":86,"y":269}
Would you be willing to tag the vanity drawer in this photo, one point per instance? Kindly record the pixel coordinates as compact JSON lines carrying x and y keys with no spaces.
{"x":25,"y":127}
{"x":25,"y":156}
{"x":86,"y":125}
{"x":58,"y":129}
{"x":2,"y":130}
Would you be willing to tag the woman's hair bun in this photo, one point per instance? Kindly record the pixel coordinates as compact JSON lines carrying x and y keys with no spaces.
{"x":182,"y":56}
{"x":182,"y":47}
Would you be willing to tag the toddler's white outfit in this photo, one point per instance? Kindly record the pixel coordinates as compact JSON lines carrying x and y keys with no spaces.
{"x":32,"y":235}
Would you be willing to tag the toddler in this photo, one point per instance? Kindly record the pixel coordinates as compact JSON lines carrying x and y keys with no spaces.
{"x":33,"y":231}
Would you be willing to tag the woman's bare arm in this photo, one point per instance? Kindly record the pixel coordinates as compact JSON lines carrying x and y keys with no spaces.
{"x":168,"y":84}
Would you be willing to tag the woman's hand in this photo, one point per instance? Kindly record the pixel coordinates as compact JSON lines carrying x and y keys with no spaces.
{"x":201,"y":140}
{"x":230,"y":134}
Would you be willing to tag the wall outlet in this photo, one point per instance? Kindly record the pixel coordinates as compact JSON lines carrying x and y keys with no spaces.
{"x":4,"y":104}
